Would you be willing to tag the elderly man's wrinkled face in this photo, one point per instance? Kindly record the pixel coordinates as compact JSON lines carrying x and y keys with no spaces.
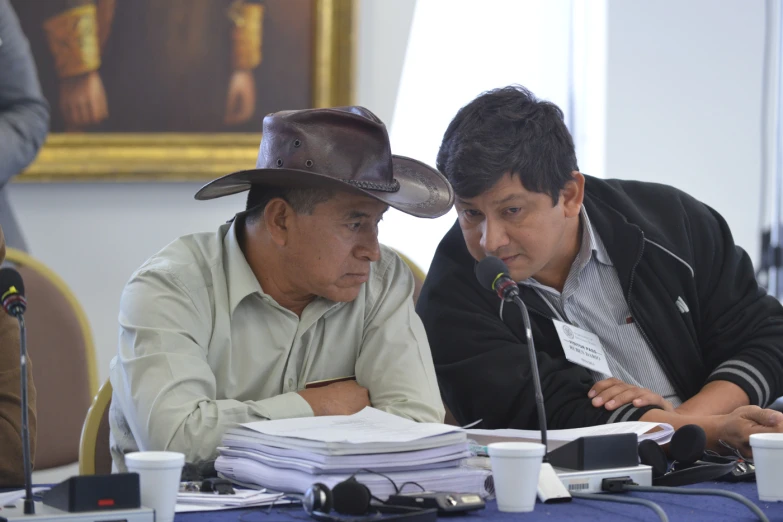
{"x":332,"y":248}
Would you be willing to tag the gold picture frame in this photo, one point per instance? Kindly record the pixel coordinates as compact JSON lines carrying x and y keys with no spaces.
{"x":139,"y":157}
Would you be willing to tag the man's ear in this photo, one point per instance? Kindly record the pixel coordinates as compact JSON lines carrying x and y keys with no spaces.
{"x":278,"y":215}
{"x":573,"y":194}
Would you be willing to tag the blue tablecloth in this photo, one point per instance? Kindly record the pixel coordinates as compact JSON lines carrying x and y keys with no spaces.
{"x":677,"y":507}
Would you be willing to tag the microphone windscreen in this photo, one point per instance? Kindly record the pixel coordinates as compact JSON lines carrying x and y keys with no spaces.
{"x":350,"y":497}
{"x":10,"y":278}
{"x":688,"y":444}
{"x":651,"y":454}
{"x":488,"y":269}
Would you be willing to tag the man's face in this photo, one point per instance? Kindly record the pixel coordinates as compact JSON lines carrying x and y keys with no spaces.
{"x":520,"y":227}
{"x":330,"y":250}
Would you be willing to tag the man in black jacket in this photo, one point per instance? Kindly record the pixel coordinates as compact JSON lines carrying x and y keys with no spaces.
{"x":646,"y":271}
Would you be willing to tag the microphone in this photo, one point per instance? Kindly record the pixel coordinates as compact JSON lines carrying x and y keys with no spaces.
{"x":12,"y":292}
{"x":14,"y":303}
{"x":492,"y":273}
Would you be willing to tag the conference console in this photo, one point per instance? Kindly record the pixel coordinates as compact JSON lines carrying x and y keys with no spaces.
{"x":88,"y":498}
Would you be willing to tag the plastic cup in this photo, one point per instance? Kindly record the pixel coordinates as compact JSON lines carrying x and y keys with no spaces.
{"x":768,"y":459}
{"x":515,"y":470}
{"x":159,"y":477}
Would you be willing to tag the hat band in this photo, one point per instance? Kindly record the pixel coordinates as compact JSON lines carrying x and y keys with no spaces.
{"x":394,"y":186}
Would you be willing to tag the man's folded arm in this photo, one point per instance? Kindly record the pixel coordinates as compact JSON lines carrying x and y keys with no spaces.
{"x":395,"y":362}
{"x":741,"y":327}
{"x":162,"y":376}
{"x":484,"y":372}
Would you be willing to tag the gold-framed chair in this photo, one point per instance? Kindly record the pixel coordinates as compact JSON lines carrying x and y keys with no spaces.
{"x":94,"y":451}
{"x":418,"y":275}
{"x":60,"y":344}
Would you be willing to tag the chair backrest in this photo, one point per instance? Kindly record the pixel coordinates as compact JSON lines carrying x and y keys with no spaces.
{"x":418,"y":275}
{"x":94,"y":451}
{"x":60,"y":345}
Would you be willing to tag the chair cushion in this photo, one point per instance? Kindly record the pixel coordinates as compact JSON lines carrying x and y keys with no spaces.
{"x":56,"y":345}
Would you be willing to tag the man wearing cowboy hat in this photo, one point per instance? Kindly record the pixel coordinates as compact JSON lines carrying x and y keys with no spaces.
{"x":230,"y":327}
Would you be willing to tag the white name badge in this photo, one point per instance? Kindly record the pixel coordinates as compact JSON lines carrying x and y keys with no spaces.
{"x":582,"y":347}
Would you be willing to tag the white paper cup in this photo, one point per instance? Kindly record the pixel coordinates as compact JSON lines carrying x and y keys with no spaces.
{"x":768,"y":459}
{"x":159,"y":477}
{"x":515,"y":470}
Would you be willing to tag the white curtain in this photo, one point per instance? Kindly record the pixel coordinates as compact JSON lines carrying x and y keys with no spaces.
{"x":457,"y":50}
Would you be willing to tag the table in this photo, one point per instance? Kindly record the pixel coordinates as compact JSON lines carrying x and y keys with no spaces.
{"x":677,"y":507}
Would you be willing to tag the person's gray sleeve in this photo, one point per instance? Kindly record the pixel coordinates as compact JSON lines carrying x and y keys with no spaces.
{"x":24,"y":112}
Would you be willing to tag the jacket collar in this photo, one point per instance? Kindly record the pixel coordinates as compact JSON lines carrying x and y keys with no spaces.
{"x":623,"y":240}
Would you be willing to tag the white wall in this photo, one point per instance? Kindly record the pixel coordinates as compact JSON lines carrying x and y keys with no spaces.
{"x":384,"y":28}
{"x":683,"y":101}
{"x":455,"y":53}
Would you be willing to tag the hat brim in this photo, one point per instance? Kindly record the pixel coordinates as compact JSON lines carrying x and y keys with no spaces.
{"x":424,"y":192}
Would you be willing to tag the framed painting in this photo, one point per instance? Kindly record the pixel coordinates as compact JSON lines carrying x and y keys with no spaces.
{"x":177,"y":90}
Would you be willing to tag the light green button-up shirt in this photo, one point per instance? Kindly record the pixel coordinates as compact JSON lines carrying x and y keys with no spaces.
{"x":203,"y":348}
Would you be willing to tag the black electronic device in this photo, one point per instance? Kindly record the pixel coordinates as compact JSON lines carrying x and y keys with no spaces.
{"x":617,"y":450}
{"x":445,"y":503}
{"x":690,"y":465}
{"x":95,"y":493}
{"x":351,"y":497}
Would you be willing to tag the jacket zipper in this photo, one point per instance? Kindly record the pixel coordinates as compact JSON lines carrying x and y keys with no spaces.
{"x":641,"y":329}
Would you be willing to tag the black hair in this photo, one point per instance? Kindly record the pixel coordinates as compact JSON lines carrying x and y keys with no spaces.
{"x":508,"y":130}
{"x":302,"y":200}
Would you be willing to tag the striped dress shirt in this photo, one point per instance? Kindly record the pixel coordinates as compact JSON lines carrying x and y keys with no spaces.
{"x":592,"y":299}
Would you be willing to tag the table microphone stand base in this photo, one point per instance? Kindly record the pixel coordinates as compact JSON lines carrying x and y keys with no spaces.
{"x":44,"y":513}
{"x":590,"y":481}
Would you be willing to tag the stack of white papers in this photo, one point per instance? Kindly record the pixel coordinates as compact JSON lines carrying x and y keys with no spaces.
{"x":292,"y":454}
{"x":191,"y":501}
{"x":658,"y":432}
{"x":459,"y":479}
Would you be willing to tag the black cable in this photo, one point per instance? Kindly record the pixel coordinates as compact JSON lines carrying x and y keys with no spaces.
{"x":394,"y":485}
{"x":689,"y":491}
{"x":402,"y":486}
{"x":603,"y":497}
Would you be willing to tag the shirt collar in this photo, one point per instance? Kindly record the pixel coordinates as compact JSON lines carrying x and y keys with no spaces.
{"x":591,"y":241}
{"x":242,"y":282}
{"x":240,"y":279}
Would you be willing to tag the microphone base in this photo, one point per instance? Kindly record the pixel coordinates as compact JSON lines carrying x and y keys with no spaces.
{"x":590,"y":481}
{"x":617,"y":450}
{"x":44,"y":513}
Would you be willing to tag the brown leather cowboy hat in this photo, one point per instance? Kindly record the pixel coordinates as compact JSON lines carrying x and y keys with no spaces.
{"x":345,"y":148}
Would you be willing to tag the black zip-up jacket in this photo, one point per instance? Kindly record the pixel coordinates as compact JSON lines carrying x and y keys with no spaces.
{"x":664,"y":245}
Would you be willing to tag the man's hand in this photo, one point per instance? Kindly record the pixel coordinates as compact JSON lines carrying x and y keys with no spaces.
{"x":340,"y":398}
{"x":736,"y":427}
{"x":613,"y":393}
{"x":241,"y":98}
{"x":83,"y":101}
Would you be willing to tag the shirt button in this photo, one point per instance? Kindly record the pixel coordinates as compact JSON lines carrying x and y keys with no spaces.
{"x":290,"y":384}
